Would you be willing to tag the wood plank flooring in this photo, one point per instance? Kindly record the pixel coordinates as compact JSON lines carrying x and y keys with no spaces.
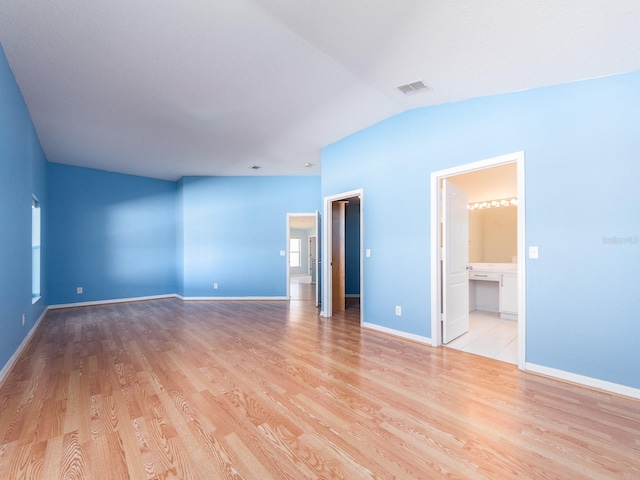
{"x":168,"y":389}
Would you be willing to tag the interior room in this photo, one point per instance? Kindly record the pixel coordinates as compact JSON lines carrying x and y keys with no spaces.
{"x":166,"y":312}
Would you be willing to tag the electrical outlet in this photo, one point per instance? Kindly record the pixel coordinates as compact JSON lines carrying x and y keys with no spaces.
{"x":79,"y":290}
{"x":215,"y":286}
{"x":398,"y":310}
{"x":24,"y":318}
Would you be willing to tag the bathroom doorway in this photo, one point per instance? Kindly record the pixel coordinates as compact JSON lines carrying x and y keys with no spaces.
{"x":496,"y":321}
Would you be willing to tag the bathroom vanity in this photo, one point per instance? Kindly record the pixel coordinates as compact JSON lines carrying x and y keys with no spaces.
{"x":493,"y":287}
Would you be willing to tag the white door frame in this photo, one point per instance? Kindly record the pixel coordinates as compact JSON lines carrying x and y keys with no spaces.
{"x":436,"y":285}
{"x":327,"y":250}
{"x":289,"y":215}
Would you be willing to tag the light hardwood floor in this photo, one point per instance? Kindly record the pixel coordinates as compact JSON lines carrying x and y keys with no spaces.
{"x":208,"y":390}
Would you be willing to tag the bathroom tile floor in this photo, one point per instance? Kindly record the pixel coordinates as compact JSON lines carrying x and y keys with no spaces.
{"x":489,"y":336}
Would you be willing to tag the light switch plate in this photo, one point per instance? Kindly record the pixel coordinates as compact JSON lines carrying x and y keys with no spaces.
{"x":533,"y":252}
{"x":367,"y":252}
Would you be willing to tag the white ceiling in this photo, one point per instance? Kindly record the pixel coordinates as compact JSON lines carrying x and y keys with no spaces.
{"x":165,"y":88}
{"x":302,"y":222}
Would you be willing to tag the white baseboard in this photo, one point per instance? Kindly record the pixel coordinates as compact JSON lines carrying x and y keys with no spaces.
{"x":584,"y":381}
{"x":12,"y":361}
{"x":107,"y":302}
{"x":191,"y":299}
{"x":397,"y":333}
{"x":155,"y":297}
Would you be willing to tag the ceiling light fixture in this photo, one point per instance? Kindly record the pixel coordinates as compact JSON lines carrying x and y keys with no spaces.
{"x":255,"y":167}
{"x":414,"y":87}
{"x":308,"y":164}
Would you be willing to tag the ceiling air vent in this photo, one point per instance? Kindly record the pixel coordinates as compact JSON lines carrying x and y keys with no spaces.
{"x":414,"y":87}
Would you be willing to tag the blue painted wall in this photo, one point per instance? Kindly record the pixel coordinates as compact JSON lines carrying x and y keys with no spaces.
{"x":234,"y":230}
{"x":22,"y":174}
{"x":179,"y":253}
{"x":114,"y":235}
{"x":582,"y":146}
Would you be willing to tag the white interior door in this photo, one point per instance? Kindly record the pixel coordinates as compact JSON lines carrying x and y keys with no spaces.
{"x":455,"y":257}
{"x":312,"y":258}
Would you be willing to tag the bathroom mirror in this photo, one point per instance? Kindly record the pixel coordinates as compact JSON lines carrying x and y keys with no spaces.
{"x":493,"y":235}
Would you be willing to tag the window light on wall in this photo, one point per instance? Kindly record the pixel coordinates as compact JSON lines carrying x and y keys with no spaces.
{"x":35,"y":248}
{"x":295,"y":252}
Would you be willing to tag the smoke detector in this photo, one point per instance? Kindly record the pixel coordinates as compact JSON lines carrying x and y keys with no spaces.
{"x":414,"y":87}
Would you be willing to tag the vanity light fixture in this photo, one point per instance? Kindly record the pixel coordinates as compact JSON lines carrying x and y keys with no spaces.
{"x":504,"y":202}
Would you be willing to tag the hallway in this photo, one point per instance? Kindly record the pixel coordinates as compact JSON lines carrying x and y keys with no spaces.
{"x":301,"y":291}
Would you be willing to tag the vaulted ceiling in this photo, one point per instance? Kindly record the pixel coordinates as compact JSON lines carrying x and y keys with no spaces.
{"x":165,"y":88}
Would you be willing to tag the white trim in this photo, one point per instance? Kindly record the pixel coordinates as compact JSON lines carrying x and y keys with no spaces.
{"x":116,"y":300}
{"x":397,"y":333}
{"x":4,"y":373}
{"x":327,"y":306}
{"x":436,"y":328}
{"x":286,"y":258}
{"x":522,"y":262}
{"x":191,"y":299}
{"x":158,"y":297}
{"x":582,"y":380}
{"x":318,"y":253}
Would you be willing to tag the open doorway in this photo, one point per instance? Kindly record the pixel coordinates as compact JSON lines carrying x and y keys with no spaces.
{"x":490,"y":279}
{"x":343,"y":240}
{"x":302,"y":257}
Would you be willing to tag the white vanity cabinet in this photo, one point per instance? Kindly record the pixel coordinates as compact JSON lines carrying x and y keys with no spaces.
{"x":494,"y":288}
{"x":508,"y":296}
